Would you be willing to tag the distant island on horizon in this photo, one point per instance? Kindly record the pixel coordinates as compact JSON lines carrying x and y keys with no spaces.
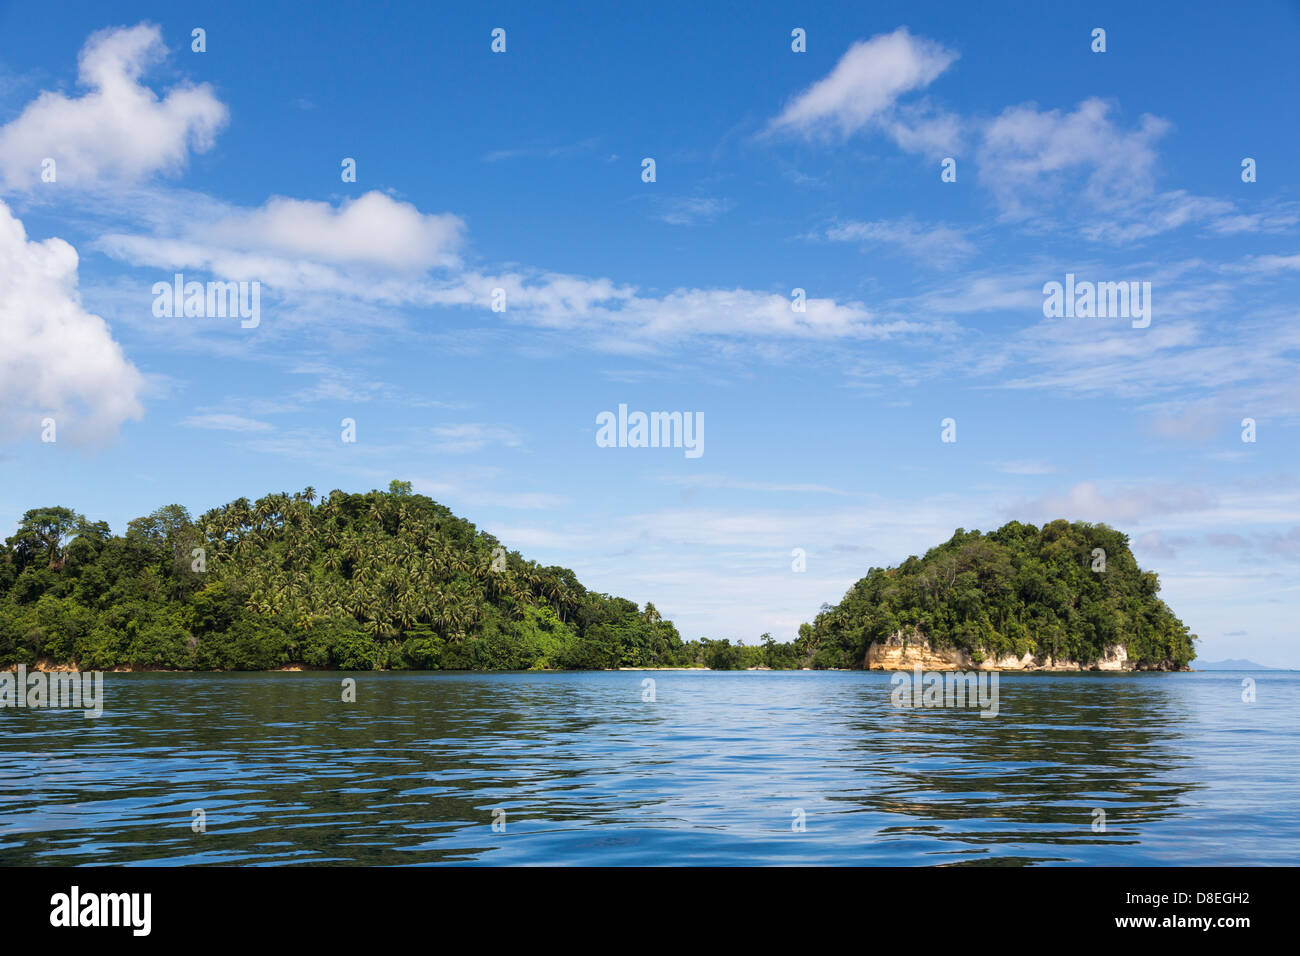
{"x":393,"y":580}
{"x":1237,"y":664}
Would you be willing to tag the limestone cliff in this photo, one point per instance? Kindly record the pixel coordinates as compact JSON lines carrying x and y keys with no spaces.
{"x":903,"y":651}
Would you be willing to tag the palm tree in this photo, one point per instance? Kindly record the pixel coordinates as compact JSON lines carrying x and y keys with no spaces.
{"x":406,"y":614}
{"x":564,"y":600}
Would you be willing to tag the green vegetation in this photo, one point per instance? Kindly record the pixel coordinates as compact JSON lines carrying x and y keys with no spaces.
{"x":395,"y":580}
{"x":380,"y":580}
{"x":1017,"y":590}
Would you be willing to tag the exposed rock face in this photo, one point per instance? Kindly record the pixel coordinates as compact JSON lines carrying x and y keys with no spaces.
{"x":903,"y":651}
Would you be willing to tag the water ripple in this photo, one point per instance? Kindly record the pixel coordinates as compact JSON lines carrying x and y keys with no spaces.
{"x":718,"y":770}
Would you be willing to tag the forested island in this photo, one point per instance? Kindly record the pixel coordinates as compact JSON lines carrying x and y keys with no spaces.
{"x":394,"y":580}
{"x":1068,"y":595}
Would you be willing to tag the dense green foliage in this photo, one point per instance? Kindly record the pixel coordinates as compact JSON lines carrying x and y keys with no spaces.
{"x":384,"y":579}
{"x":395,"y":580}
{"x":1017,"y":590}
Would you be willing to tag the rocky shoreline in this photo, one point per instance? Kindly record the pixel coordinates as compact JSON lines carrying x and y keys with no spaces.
{"x":905,"y":651}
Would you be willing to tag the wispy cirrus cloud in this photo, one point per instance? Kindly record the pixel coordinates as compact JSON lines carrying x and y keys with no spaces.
{"x":1027,"y":151}
{"x":935,"y":244}
{"x":691,"y":210}
{"x":465,"y":437}
{"x":220,"y":421}
{"x":1090,"y":501}
{"x":693,"y":482}
{"x":542,"y":151}
{"x":1026,"y":466}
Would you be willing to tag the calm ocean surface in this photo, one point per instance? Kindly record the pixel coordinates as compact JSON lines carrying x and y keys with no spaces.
{"x":712,"y":772}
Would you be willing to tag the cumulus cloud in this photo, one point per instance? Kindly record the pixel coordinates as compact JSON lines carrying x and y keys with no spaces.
{"x":118,"y":131}
{"x":298,"y":243}
{"x":865,"y":85}
{"x":56,"y":359}
{"x":373,"y":230}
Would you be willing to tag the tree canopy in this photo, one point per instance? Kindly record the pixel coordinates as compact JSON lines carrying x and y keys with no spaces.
{"x":1068,"y":590}
{"x":355,"y":581}
{"x":395,"y":580}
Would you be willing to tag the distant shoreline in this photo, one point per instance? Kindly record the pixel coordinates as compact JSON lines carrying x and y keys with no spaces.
{"x":48,"y":668}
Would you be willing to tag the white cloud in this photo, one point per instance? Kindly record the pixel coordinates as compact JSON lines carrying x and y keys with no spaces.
{"x":1177,"y":357}
{"x":1267,"y":265}
{"x":56,"y":359}
{"x":1118,"y":507}
{"x":1026,"y":466}
{"x":120,"y":130}
{"x":695,"y":482}
{"x":690,"y":312}
{"x":919,"y":129}
{"x":1003,"y":291}
{"x":1140,"y":217}
{"x":471,"y":436}
{"x":372,"y":230}
{"x":865,"y":84}
{"x":937,"y":244}
{"x":1079,"y":168}
{"x":1280,"y":220}
{"x":542,"y":152}
{"x":692,"y":210}
{"x":1043,"y":154}
{"x":1156,"y":544}
{"x":377,"y":250}
{"x":297,"y":243}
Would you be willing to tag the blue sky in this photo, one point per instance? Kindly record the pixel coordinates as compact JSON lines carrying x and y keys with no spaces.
{"x":775,"y":170}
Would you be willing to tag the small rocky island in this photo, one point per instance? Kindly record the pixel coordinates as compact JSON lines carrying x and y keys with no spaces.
{"x":1064,"y":597}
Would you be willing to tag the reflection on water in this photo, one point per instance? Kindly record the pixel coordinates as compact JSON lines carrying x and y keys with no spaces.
{"x":719,"y":769}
